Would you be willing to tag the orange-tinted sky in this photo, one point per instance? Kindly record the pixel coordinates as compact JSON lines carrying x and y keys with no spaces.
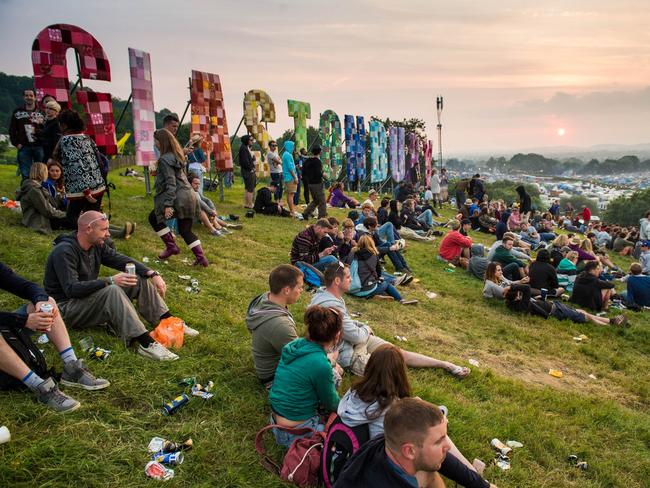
{"x":511,"y":72}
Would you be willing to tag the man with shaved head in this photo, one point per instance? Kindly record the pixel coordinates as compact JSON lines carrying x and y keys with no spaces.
{"x":86,"y":300}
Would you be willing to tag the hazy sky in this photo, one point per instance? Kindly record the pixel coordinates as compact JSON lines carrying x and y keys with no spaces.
{"x":512,"y":72}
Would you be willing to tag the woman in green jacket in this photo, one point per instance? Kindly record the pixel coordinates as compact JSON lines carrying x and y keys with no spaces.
{"x":304,"y":380}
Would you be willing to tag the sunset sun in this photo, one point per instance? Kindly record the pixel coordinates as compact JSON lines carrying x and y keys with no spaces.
{"x":561,"y":132}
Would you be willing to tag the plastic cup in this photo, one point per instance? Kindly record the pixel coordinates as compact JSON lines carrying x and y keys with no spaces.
{"x":5,"y":435}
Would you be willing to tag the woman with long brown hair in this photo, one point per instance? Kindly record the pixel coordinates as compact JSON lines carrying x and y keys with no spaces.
{"x":385,"y":380}
{"x":174,"y":198}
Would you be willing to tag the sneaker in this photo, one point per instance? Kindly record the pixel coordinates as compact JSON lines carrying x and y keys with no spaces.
{"x":76,"y":374}
{"x":407,"y":279}
{"x":400,"y":280}
{"x":49,"y":394}
{"x":216,"y":233}
{"x":235,"y":226}
{"x":157,"y":352}
{"x":225,"y":231}
{"x":408,"y":302}
{"x":189,"y":331}
{"x":620,"y":321}
{"x":401,"y":243}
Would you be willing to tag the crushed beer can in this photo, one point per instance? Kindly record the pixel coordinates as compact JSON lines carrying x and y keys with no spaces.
{"x":202,"y":391}
{"x":502,"y":461}
{"x":173,"y":406}
{"x":189,"y":381}
{"x":157,"y":471}
{"x":173,"y":458}
{"x":158,"y":444}
{"x":500,"y":446}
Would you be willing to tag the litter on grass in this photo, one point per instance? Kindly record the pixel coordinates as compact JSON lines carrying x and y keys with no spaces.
{"x":157,"y":471}
{"x":593,"y":377}
{"x":203,"y":391}
{"x":431,"y":295}
{"x":474,"y":362}
{"x":145,"y":259}
{"x":514,"y":444}
{"x":556,"y":373}
{"x":401,"y":338}
{"x":43,"y":339}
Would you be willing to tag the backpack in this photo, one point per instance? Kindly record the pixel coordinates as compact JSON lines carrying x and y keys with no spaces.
{"x":19,"y":340}
{"x":342,"y":441}
{"x":540,"y":307}
{"x":312,"y":277}
{"x":356,"y":289}
{"x":301,"y":464}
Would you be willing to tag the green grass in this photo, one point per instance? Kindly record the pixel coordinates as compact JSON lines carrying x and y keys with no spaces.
{"x":510,"y":396}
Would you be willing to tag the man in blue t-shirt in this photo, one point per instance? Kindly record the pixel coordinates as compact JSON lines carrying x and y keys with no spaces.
{"x":638,"y":287}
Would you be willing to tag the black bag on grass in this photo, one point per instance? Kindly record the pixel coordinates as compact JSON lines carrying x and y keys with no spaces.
{"x":19,"y":340}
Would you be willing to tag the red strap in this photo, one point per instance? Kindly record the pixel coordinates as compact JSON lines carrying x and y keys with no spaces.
{"x":265,"y":459}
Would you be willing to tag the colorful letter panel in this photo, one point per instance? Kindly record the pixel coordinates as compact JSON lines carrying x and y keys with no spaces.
{"x":252,"y":100}
{"x":300,"y":111}
{"x":397,"y":155}
{"x":100,"y":124}
{"x":428,"y":155}
{"x":355,"y":147}
{"x":144,"y":119}
{"x":330,"y":136}
{"x":378,"y":156}
{"x":413,"y":161}
{"x":209,"y":117}
{"x":261,"y":166}
{"x":49,"y":62}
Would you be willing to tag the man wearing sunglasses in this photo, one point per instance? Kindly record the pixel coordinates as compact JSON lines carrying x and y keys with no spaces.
{"x":87,"y":300}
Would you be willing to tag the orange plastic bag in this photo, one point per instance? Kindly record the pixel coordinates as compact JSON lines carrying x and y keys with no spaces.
{"x":170,"y":332}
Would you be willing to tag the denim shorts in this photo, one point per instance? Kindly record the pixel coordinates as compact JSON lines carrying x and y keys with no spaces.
{"x":561,"y":312}
{"x":285,"y":439}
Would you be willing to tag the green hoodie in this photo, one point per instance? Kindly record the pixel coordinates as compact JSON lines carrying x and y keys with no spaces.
{"x":303,"y":382}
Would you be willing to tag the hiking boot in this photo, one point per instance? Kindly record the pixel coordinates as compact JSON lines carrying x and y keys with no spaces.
{"x":76,"y":374}
{"x":157,"y":352}
{"x":408,"y":302}
{"x":620,"y":321}
{"x":189,"y":331}
{"x":49,"y":394}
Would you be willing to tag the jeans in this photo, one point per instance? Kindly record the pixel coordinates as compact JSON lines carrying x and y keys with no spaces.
{"x":511,"y":271}
{"x":26,"y":156}
{"x":285,"y":439}
{"x":277,"y":179}
{"x":324,"y":262}
{"x":426,"y":218}
{"x":296,"y":196}
{"x":384,"y":287}
{"x":387,"y":233}
{"x":547,"y":236}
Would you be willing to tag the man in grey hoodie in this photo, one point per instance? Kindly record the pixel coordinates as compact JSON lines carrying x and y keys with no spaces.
{"x":358,"y":338}
{"x":270,"y":322}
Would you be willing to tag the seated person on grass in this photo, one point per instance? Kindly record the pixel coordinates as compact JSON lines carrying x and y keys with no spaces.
{"x":209,"y":217}
{"x":265,"y":203}
{"x":393,"y":251}
{"x":28,"y":319}
{"x":86,"y":300}
{"x":496,"y":286}
{"x":385,"y":231}
{"x":332,"y":237}
{"x":623,"y":245}
{"x":304,"y":380}
{"x":455,"y":247}
{"x":638,"y":287}
{"x":306,"y":246}
{"x":38,"y":208}
{"x":349,"y":239}
{"x":542,"y":275}
{"x":513,"y":268}
{"x":337,"y":197}
{"x":516,"y":251}
{"x":358,"y":340}
{"x":370,"y":398}
{"x":644,"y":258}
{"x":591,"y":292}
{"x":371,"y":274}
{"x":409,"y":454}
{"x":567,"y":270}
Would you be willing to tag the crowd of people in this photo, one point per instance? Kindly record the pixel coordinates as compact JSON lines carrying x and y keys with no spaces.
{"x":539,"y":263}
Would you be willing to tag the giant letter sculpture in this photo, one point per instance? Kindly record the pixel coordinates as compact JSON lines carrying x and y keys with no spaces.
{"x":355,"y":147}
{"x":300,"y":111}
{"x":144,"y":121}
{"x":209,"y":117}
{"x":330,"y":136}
{"x":51,"y":77}
{"x":397,"y":156}
{"x":252,"y":100}
{"x":413,"y":161}
{"x":378,"y":157}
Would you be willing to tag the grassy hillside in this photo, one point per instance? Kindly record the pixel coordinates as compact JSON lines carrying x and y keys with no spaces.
{"x":510,"y":396}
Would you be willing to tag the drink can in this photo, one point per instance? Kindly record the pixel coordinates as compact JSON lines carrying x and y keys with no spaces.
{"x":170,"y":408}
{"x":130,"y":268}
{"x":158,"y":471}
{"x":500,"y":446}
{"x":543,"y":293}
{"x":47,"y":308}
{"x":168,"y":457}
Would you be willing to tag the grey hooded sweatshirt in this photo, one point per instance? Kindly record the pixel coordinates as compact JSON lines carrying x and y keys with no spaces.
{"x":354,"y":411}
{"x":354,"y":332}
{"x":272,"y":327}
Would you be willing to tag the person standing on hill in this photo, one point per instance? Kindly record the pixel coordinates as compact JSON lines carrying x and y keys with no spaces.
{"x":275,"y":167}
{"x":312,"y":172}
{"x":525,"y":203}
{"x":247,"y":165}
{"x":290,"y":175}
{"x":444,"y":186}
{"x":24,"y":133}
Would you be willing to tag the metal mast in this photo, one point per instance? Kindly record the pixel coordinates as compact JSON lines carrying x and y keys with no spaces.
{"x":439,"y":110}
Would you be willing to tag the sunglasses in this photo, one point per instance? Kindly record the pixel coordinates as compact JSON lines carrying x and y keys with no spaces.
{"x":103,"y":218}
